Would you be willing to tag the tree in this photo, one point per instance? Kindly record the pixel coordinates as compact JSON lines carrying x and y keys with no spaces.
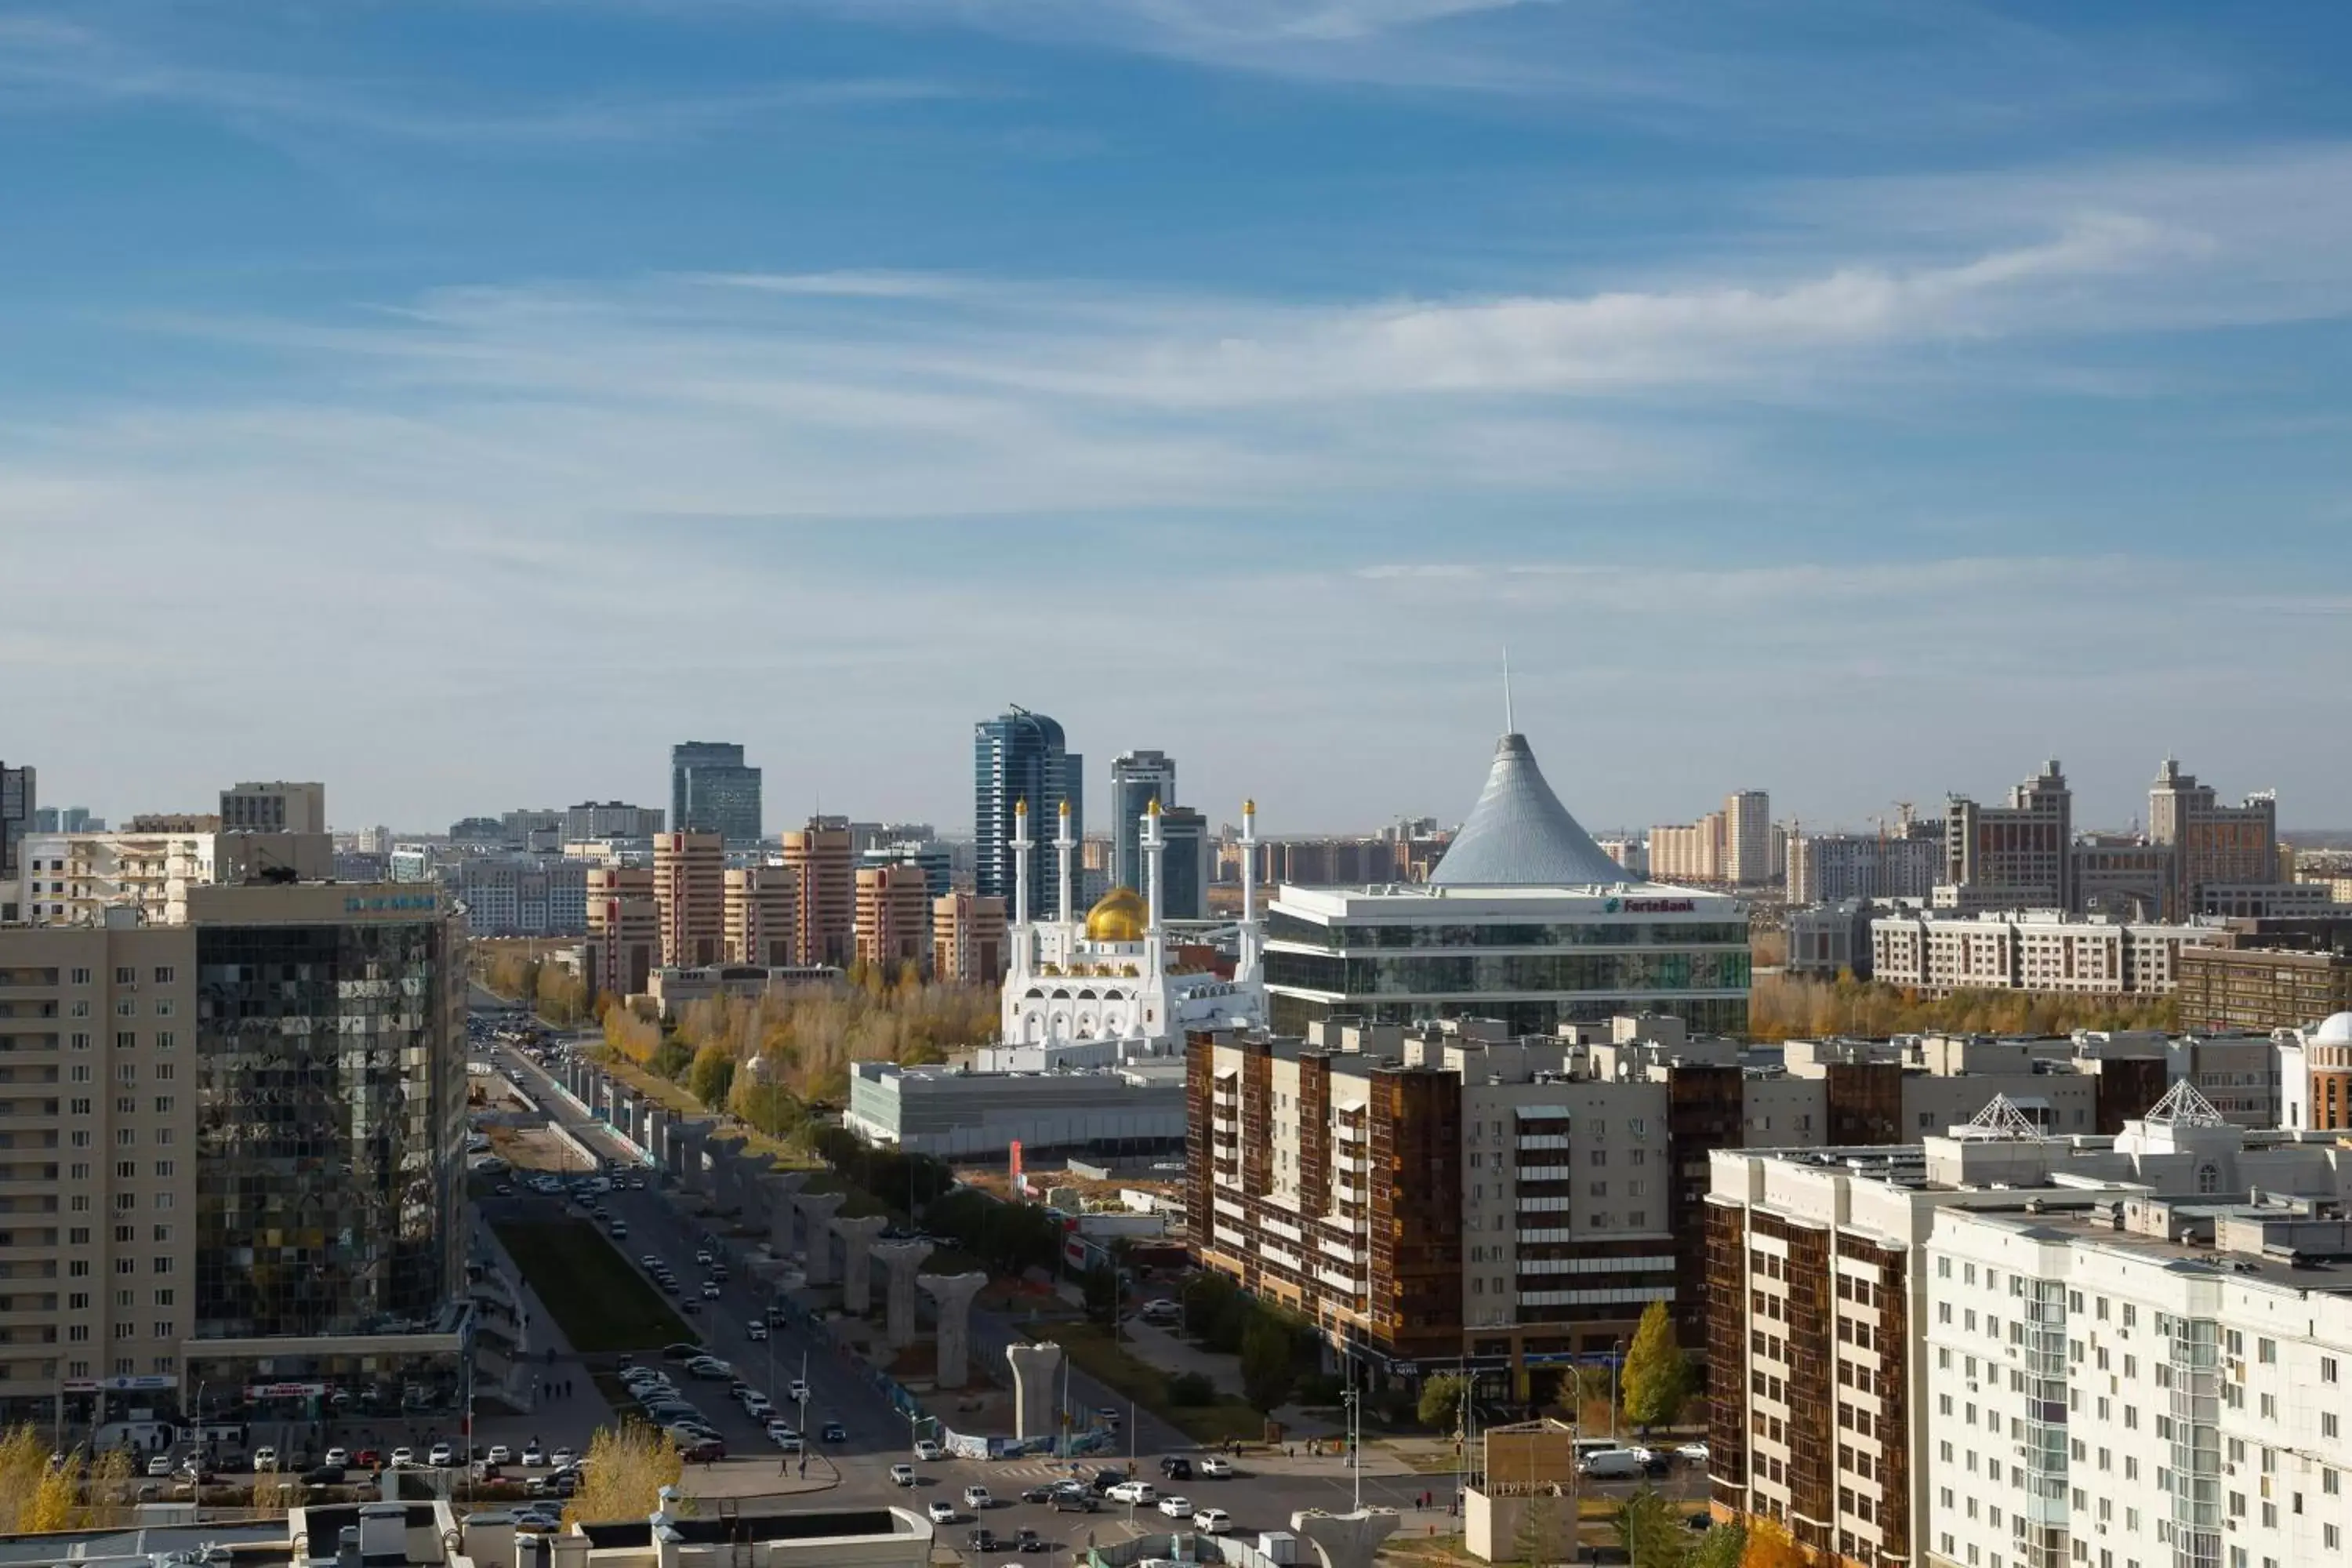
{"x":111,"y":1487}
{"x":1538,"y":1542}
{"x":1651,"y":1531}
{"x":1769,"y":1545}
{"x":1101,"y":1287}
{"x":1657,"y":1375}
{"x":711,"y":1075}
{"x":56,"y":1502}
{"x":625,"y":1470}
{"x":1721,"y":1547}
{"x":1267,"y":1371}
{"x":1440,"y":1401}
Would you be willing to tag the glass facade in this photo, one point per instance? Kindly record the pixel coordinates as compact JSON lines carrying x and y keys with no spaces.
{"x":712,"y":791}
{"x":1136,"y":779}
{"x":332,"y":1125}
{"x":1017,"y":756}
{"x":1624,"y":973}
{"x":1288,"y":1014}
{"x":1338,"y":938}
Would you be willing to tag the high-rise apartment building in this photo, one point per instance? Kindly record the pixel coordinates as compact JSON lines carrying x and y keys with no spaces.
{"x":2018,"y":856}
{"x":275,"y":807}
{"x":71,"y":879}
{"x":937,"y":859}
{"x":1747,"y":842}
{"x":1691,"y":852}
{"x":1136,"y":779}
{"x":1997,"y":1349}
{"x":1831,"y":867}
{"x":2211,"y":844}
{"x":894,"y":916}
{"x":690,"y":894}
{"x":712,"y":791}
{"x":610,"y":819}
{"x":1023,"y":756}
{"x":968,"y":938}
{"x":625,"y":931}
{"x":825,"y":929}
{"x":522,"y":895}
{"x":763,"y":915}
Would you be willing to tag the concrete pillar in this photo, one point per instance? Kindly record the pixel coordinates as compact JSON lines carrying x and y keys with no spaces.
{"x":1036,"y":1389}
{"x":858,"y":1260}
{"x":902,"y":1259}
{"x":1345,"y":1540}
{"x":657,"y":1138}
{"x":953,"y":1294}
{"x":689,"y":1139}
{"x":817,"y":1210}
{"x":749,"y":1170}
{"x":726,"y":1191}
{"x":783,"y":1211}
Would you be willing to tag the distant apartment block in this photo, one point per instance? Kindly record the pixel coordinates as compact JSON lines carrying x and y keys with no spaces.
{"x":2020,"y":854}
{"x":2041,"y":950}
{"x":1689,"y":852}
{"x":276,"y":807}
{"x":826,"y":927}
{"x":1749,"y":835}
{"x":1831,"y":867}
{"x":522,"y":895}
{"x":2211,"y":843}
{"x":690,"y":894}
{"x":894,"y":916}
{"x":2239,"y":983}
{"x":968,"y":938}
{"x":763,"y":915}
{"x":610,"y":819}
{"x":625,"y":930}
{"x":71,"y":879}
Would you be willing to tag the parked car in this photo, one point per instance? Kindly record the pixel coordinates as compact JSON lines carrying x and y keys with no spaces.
{"x":441,"y":1455}
{"x":161,"y":1464}
{"x":533,"y":1456}
{"x":755,"y":1330}
{"x":984,"y":1540}
{"x":708,"y":1450}
{"x":710,"y":1290}
{"x":1691,"y":1453}
{"x":337,"y":1458}
{"x":796,"y":1392}
{"x":563,"y":1459}
{"x":1611,"y":1465}
{"x":265,"y":1459}
{"x":681,"y":1351}
{"x":1030,"y":1541}
{"x":500,"y":1454}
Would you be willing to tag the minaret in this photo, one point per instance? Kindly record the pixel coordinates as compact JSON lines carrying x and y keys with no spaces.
{"x":1247,"y":968}
{"x":1063,"y":844}
{"x":1021,"y":846}
{"x":1155,"y":855}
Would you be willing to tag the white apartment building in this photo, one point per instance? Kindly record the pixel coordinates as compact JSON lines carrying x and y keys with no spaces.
{"x":523,"y":895}
{"x":1937,"y":952}
{"x":1828,"y":868}
{"x":72,"y":878}
{"x":1994,"y":1349}
{"x":275,"y":807}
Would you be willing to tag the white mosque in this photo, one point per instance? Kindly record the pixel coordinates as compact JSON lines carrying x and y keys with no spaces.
{"x":1107,"y":989}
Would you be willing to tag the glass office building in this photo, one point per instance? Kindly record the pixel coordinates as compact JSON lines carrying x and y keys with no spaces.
{"x":1136,"y":779}
{"x":332,"y":1085}
{"x":1016,"y":756}
{"x":712,"y":791}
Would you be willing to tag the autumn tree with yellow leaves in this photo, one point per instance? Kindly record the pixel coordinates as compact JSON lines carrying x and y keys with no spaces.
{"x":622,"y":1476}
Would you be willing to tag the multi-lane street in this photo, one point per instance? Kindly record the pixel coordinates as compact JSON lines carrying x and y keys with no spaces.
{"x":1262,"y":1496}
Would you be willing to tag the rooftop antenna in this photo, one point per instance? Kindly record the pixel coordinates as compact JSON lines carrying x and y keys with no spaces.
{"x":1509,"y":727}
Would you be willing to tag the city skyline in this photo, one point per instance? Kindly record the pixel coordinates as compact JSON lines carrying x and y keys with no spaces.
{"x":1849,"y":410}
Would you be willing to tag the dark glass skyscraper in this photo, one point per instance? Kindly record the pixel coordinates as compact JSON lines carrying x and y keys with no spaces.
{"x":710,"y":791}
{"x":331,"y":1108}
{"x":1019,"y":755}
{"x":1136,"y":779}
{"x":1186,"y":859}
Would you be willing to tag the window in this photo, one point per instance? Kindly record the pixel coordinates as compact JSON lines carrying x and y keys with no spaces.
{"x":2327,"y":1424}
{"x":126,"y":1105}
{"x":164,"y":1297}
{"x":165,"y":1039}
{"x":2327,"y":1369}
{"x":2266,"y":1352}
{"x":124,"y":975}
{"x":162,"y":1072}
{"x":162,"y":975}
{"x":126,"y":1073}
{"x":81,"y":977}
{"x":2331,"y":1538}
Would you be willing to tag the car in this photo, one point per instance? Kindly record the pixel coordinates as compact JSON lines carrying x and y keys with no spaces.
{"x":1160,"y":1311}
{"x":534,"y":1456}
{"x":1216,"y":1466}
{"x":787,"y":1443}
{"x":1699,"y":1524}
{"x":926,"y":1449}
{"x":1176,"y":1507}
{"x":506,"y":1189}
{"x":323,"y":1476}
{"x":1691,"y":1453}
{"x":1030,"y":1541}
{"x":941,"y":1511}
{"x":500,"y":1454}
{"x":710,"y":1367}
{"x":440,"y":1456}
{"x":757,"y":1407}
{"x":1108,"y":1417}
{"x":563,"y":1459}
{"x":902,"y":1474}
{"x":690,"y":1309}
{"x":977,"y":1499}
{"x":702,"y":1255}
{"x":1141,"y":1493}
{"x":620,"y":1230}
{"x":1212,"y":1521}
{"x":755,"y":1330}
{"x":265,"y":1459}
{"x":681,"y":1351}
{"x":834,"y":1432}
{"x":1176,"y":1468}
{"x":796,"y":1393}
{"x":161,"y":1464}
{"x":710,"y":1290}
{"x":668,"y":1285}
{"x":1037,"y":1494}
{"x":1073,"y":1499}
{"x":636,"y":1183}
{"x":336,"y":1459}
{"x":650,"y":1261}
{"x":984,"y":1540}
{"x":706,"y":1451}
{"x":1611,"y":1465}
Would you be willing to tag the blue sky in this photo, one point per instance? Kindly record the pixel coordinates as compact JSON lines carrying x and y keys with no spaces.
{"x":459,"y":400}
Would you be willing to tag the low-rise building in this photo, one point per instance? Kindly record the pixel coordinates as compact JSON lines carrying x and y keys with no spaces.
{"x":1128,"y":1107}
{"x":1936,"y":952}
{"x":668,"y":990}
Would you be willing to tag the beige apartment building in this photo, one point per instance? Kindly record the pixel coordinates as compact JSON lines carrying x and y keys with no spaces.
{"x":823,"y":854}
{"x":98,"y":1135}
{"x":1689,"y":852}
{"x":69,"y":879}
{"x":763,"y":915}
{"x":623,"y":945}
{"x":1937,"y":953}
{"x":690,"y":898}
{"x":968,"y":940}
{"x":275,"y":807}
{"x":894,"y":915}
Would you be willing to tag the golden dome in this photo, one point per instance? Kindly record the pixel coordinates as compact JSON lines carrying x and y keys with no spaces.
{"x":1120,"y":917}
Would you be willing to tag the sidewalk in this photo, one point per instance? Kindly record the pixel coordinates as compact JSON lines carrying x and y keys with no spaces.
{"x":1171,"y":1355}
{"x":562,"y":1421}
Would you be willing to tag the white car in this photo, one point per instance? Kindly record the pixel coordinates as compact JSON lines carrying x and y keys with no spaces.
{"x":941,"y":1511}
{"x":533,"y":1457}
{"x":339,"y":1458}
{"x":1141,"y":1493}
{"x":1216,"y":1466}
{"x":1211,"y":1520}
{"x":500,"y":1454}
{"x":440,"y":1456}
{"x":1176,"y":1507}
{"x":902,"y":1474}
{"x":797,"y":1393}
{"x":1691,"y":1453}
{"x":563,"y":1459}
{"x":755,"y":1330}
{"x":703,"y":1257}
{"x":710,"y":1290}
{"x":926,"y":1449}
{"x":265,"y":1459}
{"x":977,"y":1499}
{"x":161,"y":1464}
{"x":402,"y":1459}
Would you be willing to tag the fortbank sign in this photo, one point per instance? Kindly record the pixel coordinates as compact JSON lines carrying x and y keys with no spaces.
{"x":1648,"y":906}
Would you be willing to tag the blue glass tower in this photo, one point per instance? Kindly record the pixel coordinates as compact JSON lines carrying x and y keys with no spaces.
{"x":1019,"y":755}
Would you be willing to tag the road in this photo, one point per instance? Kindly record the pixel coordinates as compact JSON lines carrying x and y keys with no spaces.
{"x":1263,"y":1496}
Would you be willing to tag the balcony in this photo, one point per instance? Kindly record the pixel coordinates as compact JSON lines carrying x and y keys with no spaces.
{"x":1346,"y":1135}
{"x":1340,"y":1282}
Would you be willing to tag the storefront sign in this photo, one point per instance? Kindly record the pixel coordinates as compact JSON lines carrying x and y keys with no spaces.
{"x":1650,"y":906}
{"x":283,"y":1390}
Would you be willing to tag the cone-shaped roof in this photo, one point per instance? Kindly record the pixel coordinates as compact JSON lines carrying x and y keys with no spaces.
{"x":1519,"y":836}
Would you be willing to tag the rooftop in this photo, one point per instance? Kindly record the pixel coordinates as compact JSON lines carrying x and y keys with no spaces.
{"x":1519,"y":835}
